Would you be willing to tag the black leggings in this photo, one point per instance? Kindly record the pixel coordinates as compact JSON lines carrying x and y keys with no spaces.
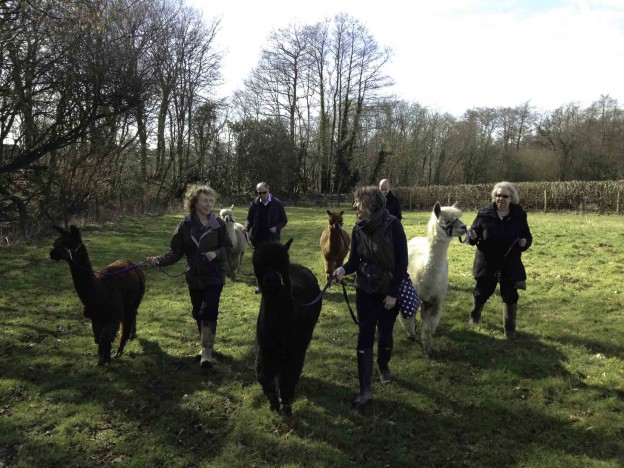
{"x":372,"y":315}
{"x":206,"y":302}
{"x":486,"y":286}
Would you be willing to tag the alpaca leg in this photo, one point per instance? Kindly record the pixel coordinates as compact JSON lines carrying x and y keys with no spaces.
{"x":409,"y":325}
{"x":127,"y":327}
{"x":265,"y":373}
{"x":290,"y":374}
{"x":109,"y":331}
{"x":430,"y":321}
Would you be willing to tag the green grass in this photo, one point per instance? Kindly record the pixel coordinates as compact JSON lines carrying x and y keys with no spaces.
{"x":552,"y":398}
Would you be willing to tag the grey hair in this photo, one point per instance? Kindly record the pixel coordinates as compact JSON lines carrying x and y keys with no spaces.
{"x":262,"y":184}
{"x":515,"y":198}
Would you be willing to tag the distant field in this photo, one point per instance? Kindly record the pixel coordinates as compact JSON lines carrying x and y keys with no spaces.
{"x":555,"y":397}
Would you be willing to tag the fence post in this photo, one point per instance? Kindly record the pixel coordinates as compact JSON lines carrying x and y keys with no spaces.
{"x":448,"y":203}
{"x":410,"y":201}
{"x":617,"y":202}
{"x":545,"y":201}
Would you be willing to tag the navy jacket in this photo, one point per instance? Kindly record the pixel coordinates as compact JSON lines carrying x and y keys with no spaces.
{"x":498,"y":251}
{"x":276,"y":216}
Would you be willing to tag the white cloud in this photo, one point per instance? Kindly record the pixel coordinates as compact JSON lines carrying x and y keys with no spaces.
{"x":455,"y":55}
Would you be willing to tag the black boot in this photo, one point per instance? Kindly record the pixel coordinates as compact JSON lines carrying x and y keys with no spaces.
{"x":509,"y":320}
{"x":208,"y":332}
{"x":475,"y":313}
{"x":365,"y":372}
{"x":383,"y":358}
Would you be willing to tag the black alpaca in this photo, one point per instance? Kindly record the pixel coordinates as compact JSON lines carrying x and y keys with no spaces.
{"x":110,"y":296}
{"x":285,"y":326}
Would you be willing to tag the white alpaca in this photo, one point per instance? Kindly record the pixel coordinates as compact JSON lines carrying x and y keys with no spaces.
{"x":428,"y":269}
{"x":238,"y":238}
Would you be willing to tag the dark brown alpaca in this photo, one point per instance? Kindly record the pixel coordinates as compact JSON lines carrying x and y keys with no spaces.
{"x":334,"y":243}
{"x":110,"y":296}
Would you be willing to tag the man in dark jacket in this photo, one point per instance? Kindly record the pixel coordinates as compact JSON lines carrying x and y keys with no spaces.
{"x":393,"y":205}
{"x":501,"y":233}
{"x":266,"y":218}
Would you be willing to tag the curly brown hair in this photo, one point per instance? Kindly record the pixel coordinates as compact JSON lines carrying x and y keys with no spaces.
{"x":192,"y":194}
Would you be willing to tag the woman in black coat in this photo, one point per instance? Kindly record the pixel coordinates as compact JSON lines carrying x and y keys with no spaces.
{"x":378,"y":256}
{"x":501,"y":233}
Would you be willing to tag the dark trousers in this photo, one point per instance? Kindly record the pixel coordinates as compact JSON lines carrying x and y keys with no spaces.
{"x":206,"y":302}
{"x":486,"y":286}
{"x":372,"y":315}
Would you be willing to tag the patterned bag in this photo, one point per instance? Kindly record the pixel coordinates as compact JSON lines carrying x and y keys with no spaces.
{"x":409,"y":300}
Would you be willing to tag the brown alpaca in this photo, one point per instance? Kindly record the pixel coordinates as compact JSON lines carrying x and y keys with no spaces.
{"x":334,"y":243}
{"x":110,"y":296}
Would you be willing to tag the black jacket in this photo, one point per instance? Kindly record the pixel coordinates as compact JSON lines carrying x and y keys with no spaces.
{"x":392,"y":229}
{"x":276,"y":216}
{"x":393,"y":205}
{"x":193,"y":240}
{"x":498,"y":251}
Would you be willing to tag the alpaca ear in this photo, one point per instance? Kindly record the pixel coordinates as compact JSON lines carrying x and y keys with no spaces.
{"x":221,"y":206}
{"x":455,"y":204}
{"x":437,"y":209}
{"x":329,"y":212}
{"x":287,"y":244}
{"x":232,"y":207}
{"x":342,"y":212}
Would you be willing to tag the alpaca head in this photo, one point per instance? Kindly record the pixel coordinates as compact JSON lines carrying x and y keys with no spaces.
{"x":271,"y":263}
{"x":66,"y":244}
{"x":227,"y":214}
{"x":335,"y":220}
{"x":446,"y":223}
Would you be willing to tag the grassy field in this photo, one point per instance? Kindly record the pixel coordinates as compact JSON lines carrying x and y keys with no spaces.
{"x":555,"y":397}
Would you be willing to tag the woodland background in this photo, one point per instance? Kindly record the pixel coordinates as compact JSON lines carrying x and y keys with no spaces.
{"x":107,"y":106}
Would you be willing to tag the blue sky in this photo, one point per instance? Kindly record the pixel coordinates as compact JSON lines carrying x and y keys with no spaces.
{"x":453,"y":55}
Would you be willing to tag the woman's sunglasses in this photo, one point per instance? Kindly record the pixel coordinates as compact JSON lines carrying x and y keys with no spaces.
{"x":502,"y":196}
{"x":262,"y":193}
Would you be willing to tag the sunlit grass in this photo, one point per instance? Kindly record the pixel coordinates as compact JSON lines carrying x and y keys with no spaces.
{"x":552,"y":398}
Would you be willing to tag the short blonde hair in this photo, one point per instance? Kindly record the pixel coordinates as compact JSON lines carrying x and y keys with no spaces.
{"x":515,"y":198}
{"x":192,"y":195}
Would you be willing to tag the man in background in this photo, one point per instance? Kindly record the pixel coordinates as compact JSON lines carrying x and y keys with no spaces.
{"x":393,"y":205}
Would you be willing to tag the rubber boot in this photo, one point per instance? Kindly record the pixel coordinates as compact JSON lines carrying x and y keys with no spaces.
{"x":475,"y":313}
{"x":365,"y":372}
{"x":199,"y":329}
{"x":383,"y":358}
{"x":208,"y":332}
{"x":509,"y":320}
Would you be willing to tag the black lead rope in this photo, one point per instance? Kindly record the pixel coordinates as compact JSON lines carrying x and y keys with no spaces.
{"x":346,"y":296}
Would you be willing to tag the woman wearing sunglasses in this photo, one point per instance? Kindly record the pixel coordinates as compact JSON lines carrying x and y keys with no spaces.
{"x":501,"y":233}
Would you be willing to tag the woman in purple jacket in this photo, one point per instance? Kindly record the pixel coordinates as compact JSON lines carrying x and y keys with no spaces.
{"x":501,"y":233}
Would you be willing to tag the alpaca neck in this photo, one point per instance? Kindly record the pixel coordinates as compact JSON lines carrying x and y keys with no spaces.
{"x":83,"y":275}
{"x":230,"y":228}
{"x":438,"y":242}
